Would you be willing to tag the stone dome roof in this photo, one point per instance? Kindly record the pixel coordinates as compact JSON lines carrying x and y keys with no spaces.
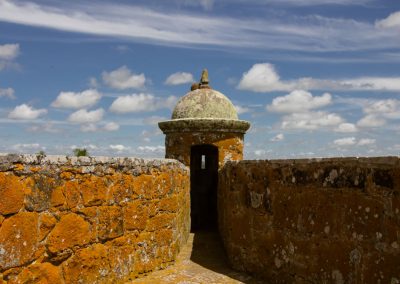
{"x":204,"y":102}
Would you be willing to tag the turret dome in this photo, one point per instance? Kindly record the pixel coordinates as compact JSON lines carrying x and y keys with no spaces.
{"x":204,"y":103}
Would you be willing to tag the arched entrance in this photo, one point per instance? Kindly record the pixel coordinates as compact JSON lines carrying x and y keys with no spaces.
{"x":203,"y":187}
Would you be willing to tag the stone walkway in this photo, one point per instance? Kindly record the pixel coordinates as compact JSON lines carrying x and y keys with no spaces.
{"x":202,"y":260}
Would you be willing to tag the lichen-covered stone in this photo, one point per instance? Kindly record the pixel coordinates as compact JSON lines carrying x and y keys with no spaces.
{"x":318,"y":221}
{"x":19,"y":236}
{"x":72,"y":230}
{"x":43,"y":273}
{"x":11,"y":193}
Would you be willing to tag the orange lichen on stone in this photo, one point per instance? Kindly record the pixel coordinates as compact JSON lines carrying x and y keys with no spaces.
{"x":19,"y":167}
{"x":72,"y":230}
{"x":12,"y":193}
{"x":19,"y":236}
{"x":43,"y":273}
{"x":87,"y":220}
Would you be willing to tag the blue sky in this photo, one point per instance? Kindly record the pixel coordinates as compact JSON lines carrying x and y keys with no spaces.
{"x":316,"y":78}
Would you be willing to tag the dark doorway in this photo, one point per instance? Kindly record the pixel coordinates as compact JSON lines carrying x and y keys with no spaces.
{"x":203,"y":187}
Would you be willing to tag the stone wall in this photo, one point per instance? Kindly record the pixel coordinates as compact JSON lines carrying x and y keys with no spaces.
{"x":103,"y":220}
{"x":313,"y":221}
{"x":230,"y":145}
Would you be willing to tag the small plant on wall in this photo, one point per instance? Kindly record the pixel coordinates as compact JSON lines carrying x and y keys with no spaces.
{"x":80,"y":152}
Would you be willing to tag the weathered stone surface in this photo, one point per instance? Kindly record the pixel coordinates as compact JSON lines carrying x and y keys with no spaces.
{"x":89,"y":218}
{"x":89,"y":265}
{"x":18,"y":240}
{"x":11,"y":193}
{"x":318,"y":221}
{"x":43,"y":273}
{"x":72,"y":230}
{"x":110,"y":223}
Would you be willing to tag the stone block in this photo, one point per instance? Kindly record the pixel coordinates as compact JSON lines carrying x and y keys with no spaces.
{"x":110,"y":223}
{"x":72,"y":230}
{"x":43,"y":273}
{"x":135,"y":215}
{"x":12,"y":193}
{"x":19,"y":236}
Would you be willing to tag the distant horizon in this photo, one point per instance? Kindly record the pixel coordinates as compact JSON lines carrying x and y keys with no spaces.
{"x":315,"y":78}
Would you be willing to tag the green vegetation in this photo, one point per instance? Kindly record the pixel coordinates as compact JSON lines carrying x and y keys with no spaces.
{"x":80,"y":152}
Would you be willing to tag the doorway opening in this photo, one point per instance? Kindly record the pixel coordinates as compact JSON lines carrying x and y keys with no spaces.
{"x":203,"y":187}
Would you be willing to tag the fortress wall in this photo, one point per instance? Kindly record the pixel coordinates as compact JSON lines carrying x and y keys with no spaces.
{"x":90,"y":220}
{"x":313,"y":221}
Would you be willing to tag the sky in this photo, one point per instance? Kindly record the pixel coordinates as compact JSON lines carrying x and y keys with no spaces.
{"x":315,"y":78}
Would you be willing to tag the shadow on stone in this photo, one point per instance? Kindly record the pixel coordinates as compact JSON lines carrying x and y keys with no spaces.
{"x":208,"y":252}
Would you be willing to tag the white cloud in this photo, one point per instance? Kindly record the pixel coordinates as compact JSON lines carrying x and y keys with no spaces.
{"x":26,"y":112}
{"x":118,"y":148}
{"x":9,"y":51}
{"x":153,"y":120}
{"x":366,"y":141}
{"x":205,"y":4}
{"x":43,"y":127}
{"x":263,"y":78}
{"x":84,"y":116}
{"x":371,"y":121}
{"x":122,"y":79}
{"x":93,"y":83}
{"x":141,"y":103}
{"x":151,"y":149}
{"x":90,"y":127}
{"x":28,"y":147}
{"x":298,"y":101}
{"x":392,"y":21}
{"x":241,"y":109}
{"x":8,"y":93}
{"x":132,"y":21}
{"x":278,"y":137}
{"x":77,"y":100}
{"x":346,"y":128}
{"x":310,"y":120}
{"x":378,"y":112}
{"x":111,"y":126}
{"x":348,"y":141}
{"x":179,"y":78}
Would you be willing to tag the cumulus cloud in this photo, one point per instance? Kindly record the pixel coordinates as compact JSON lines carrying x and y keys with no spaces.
{"x":26,"y":112}
{"x":348,"y":141}
{"x":278,"y":137}
{"x":371,"y":121}
{"x":151,"y":149}
{"x":111,"y":126}
{"x":205,"y":4}
{"x":179,"y":78}
{"x":8,"y":93}
{"x":84,"y":116}
{"x":9,"y":51}
{"x":263,"y":78}
{"x":141,"y":103}
{"x":377,"y":112}
{"x":76,"y":100}
{"x":346,"y":128}
{"x":298,"y":101}
{"x":90,"y":127}
{"x":311,"y":120}
{"x":392,"y":21}
{"x":43,"y":127}
{"x":27,"y":147}
{"x":366,"y":141}
{"x":119,"y":148}
{"x":122,"y":79}
{"x":241,"y":109}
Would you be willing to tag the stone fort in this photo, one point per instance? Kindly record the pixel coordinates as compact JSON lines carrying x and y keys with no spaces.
{"x":111,"y":220}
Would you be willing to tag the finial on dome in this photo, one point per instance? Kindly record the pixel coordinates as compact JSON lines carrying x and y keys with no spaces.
{"x":204,"y":80}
